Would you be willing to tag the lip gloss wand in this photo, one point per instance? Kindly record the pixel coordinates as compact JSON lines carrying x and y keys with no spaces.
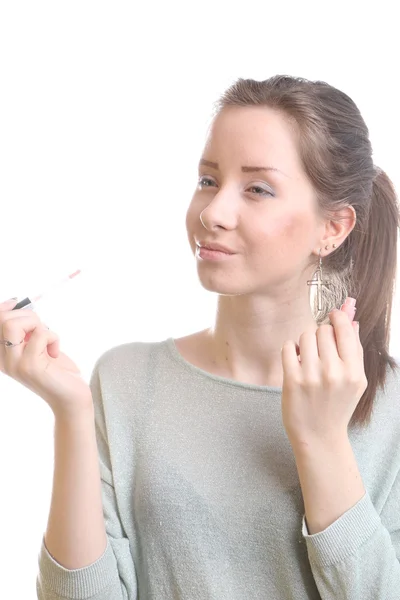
{"x":29,"y":303}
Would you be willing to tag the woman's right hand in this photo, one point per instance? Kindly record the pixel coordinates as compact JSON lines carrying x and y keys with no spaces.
{"x":39,"y":365}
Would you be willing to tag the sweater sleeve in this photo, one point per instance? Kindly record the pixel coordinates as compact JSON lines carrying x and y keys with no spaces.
{"x":358,"y":555}
{"x":113,"y":574}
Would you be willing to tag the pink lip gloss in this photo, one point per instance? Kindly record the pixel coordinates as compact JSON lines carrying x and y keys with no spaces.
{"x":29,"y":303}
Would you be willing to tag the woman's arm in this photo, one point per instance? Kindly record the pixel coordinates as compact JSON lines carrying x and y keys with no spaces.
{"x":76,"y":535}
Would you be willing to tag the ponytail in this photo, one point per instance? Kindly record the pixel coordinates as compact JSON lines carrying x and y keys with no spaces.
{"x":374,"y":253}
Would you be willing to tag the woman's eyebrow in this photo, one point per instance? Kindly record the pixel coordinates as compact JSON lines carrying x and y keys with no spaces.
{"x":214,"y":165}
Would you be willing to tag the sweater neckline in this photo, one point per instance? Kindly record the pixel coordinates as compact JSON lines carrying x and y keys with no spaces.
{"x":174,"y":352}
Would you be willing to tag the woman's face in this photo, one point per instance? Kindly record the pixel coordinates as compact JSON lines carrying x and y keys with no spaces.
{"x":254,"y":198}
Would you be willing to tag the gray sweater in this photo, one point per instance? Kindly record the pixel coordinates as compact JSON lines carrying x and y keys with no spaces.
{"x":202,"y":499}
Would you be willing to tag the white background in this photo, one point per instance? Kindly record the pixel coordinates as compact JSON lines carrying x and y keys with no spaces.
{"x":103,"y":110}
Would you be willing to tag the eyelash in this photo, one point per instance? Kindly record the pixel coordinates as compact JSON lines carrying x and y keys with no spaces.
{"x":253,"y":187}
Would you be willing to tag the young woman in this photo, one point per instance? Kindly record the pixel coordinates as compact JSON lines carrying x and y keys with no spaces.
{"x":258,"y":458}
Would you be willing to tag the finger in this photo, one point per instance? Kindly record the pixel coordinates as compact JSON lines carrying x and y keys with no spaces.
{"x":356,"y":327}
{"x":349,"y":310}
{"x":14,"y":329}
{"x":290,"y":360}
{"x":8,"y":304}
{"x":309,"y":354}
{"x":327,"y":347}
{"x":346,"y":341}
{"x":41,"y":340}
{"x":16,"y":325}
{"x":13,"y":314}
{"x":53,"y":349}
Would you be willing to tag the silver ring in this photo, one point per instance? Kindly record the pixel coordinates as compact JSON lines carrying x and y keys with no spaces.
{"x":10,"y":344}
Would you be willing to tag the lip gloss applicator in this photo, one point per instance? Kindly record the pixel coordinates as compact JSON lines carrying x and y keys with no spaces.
{"x":29,"y":303}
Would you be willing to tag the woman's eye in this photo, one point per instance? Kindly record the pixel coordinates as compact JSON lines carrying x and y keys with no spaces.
{"x":256,"y":189}
{"x":206,"y":182}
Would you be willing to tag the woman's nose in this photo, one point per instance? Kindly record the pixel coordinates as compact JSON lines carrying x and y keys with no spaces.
{"x":222,"y":211}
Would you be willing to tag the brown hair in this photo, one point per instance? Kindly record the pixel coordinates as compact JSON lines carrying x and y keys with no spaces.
{"x":336,"y":153}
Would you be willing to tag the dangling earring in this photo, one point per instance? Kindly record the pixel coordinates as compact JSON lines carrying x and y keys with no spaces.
{"x":319,"y":281}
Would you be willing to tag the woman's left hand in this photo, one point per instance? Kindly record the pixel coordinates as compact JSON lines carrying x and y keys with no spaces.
{"x":321,"y":393}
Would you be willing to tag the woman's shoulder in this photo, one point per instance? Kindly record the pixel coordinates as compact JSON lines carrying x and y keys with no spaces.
{"x":130,"y":353}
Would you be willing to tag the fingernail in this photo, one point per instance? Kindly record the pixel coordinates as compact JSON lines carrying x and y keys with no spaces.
{"x":350,"y":301}
{"x":348,"y":307}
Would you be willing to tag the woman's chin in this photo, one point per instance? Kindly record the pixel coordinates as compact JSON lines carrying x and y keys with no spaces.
{"x":221,"y":285}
